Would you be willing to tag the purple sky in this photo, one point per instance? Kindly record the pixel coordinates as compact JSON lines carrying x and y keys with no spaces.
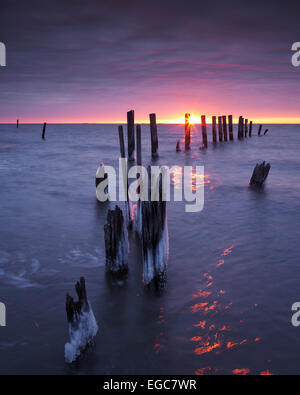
{"x":91,"y":61}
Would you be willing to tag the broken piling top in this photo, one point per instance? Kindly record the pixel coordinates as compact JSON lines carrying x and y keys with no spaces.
{"x":130,"y":135}
{"x":154,"y":137}
{"x":187,"y":133}
{"x":260,"y":173}
{"x":74,"y":309}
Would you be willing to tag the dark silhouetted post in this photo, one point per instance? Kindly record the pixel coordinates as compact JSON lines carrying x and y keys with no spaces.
{"x":44,"y":131}
{"x":178,"y":149}
{"x":250,"y":129}
{"x":220,"y":128}
{"x":187,"y":134}
{"x":130,"y":135}
{"x":214,"y":129}
{"x":204,"y":131}
{"x":138,"y":145}
{"x":154,"y":138}
{"x":240,"y":130}
{"x":246,"y":127}
{"x":259,"y":130}
{"x":224,"y":128}
{"x":230,"y":127}
{"x":17,"y":123}
{"x":266,"y":131}
{"x":121,"y":139}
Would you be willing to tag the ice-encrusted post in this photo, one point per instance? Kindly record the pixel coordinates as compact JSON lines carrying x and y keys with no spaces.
{"x":220,"y":129}
{"x":130,"y":135}
{"x":82,"y":323}
{"x":154,"y":138}
{"x":250,"y":129}
{"x":224,"y":127}
{"x":44,"y":130}
{"x":187,"y":131}
{"x":260,"y":173}
{"x":230,"y":127}
{"x":204,"y":131}
{"x":116,"y":242}
{"x":259,"y":130}
{"x":214,"y":129}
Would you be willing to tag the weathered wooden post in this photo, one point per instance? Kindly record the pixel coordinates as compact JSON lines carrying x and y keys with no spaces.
{"x":204,"y":131}
{"x":230,"y":127}
{"x":17,"y":123}
{"x":259,"y":130}
{"x":220,"y":128}
{"x":44,"y":131}
{"x":187,"y":134}
{"x":154,"y":137}
{"x":266,"y":131}
{"x":116,"y":243}
{"x":138,"y":145}
{"x":82,"y":323}
{"x":178,"y":149}
{"x":250,"y":129}
{"x":224,"y":128}
{"x":260,"y":173}
{"x":121,"y":139}
{"x":130,"y":135}
{"x":246,"y":127}
{"x":214,"y":129}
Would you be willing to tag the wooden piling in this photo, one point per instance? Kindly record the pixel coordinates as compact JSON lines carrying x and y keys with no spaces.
{"x":259,"y":130}
{"x":154,"y":137}
{"x":138,"y":145}
{"x":250,"y":129}
{"x":224,"y":128}
{"x":178,"y":149}
{"x":230,"y":127}
{"x":266,"y":131}
{"x":240,"y":129}
{"x":204,"y":131}
{"x":44,"y":131}
{"x":17,"y":123}
{"x":246,"y":127}
{"x":187,"y":134}
{"x":214,"y":129}
{"x":220,"y":128}
{"x":130,"y":135}
{"x":121,"y":139}
{"x":260,"y":173}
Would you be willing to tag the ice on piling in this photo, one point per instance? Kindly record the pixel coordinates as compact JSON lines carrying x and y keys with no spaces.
{"x":82,"y":323}
{"x":116,"y":242}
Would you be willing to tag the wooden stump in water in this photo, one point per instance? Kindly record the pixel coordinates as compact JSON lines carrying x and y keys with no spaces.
{"x":74,"y":309}
{"x":154,"y":137}
{"x":116,"y":243}
{"x":260,"y":173}
{"x":204,"y":131}
{"x":224,"y":128}
{"x":259,"y":130}
{"x":17,"y":123}
{"x":220,"y":128}
{"x":241,"y":128}
{"x":266,"y":131}
{"x":44,"y":131}
{"x":246,"y":127}
{"x":187,"y":133}
{"x":230,"y":127}
{"x":101,"y":193}
{"x":250,"y":129}
{"x":178,"y":149}
{"x":121,"y":140}
{"x":130,"y":135}
{"x":214,"y":129}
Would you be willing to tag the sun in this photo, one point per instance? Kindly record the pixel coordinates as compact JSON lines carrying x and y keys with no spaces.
{"x":195,"y":119}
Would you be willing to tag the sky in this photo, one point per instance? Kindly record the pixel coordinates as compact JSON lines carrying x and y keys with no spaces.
{"x":72,"y":61}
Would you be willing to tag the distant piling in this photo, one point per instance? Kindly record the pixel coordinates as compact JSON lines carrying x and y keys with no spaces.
{"x":154,"y":137}
{"x":121,"y":139}
{"x":138,"y":145}
{"x":214,"y":129}
{"x":178,"y":149}
{"x":187,"y":133}
{"x":259,"y":130}
{"x":246,"y":127}
{"x":241,"y":128}
{"x":224,"y":128}
{"x":130,"y":135}
{"x":204,"y":131}
{"x":17,"y":123}
{"x":220,"y":129}
{"x":250,"y":129}
{"x":266,"y":131}
{"x":44,"y":130}
{"x":230,"y":127}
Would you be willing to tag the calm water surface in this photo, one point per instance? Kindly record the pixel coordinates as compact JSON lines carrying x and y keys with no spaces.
{"x":233,"y":270}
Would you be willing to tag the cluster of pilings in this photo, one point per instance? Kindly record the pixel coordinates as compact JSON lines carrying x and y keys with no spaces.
{"x":222,"y":130}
